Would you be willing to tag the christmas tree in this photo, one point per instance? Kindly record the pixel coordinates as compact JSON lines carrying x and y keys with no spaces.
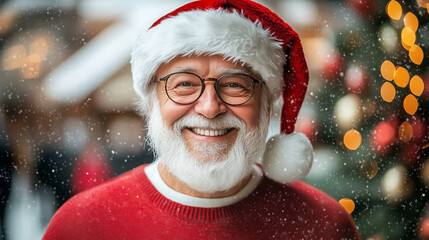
{"x":368,"y":117}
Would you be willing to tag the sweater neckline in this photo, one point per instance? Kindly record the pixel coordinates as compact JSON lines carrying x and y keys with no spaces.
{"x":196,"y":214}
{"x":154,"y":177}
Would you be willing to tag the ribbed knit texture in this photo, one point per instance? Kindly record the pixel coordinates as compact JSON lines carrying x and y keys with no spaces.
{"x":129,"y":207}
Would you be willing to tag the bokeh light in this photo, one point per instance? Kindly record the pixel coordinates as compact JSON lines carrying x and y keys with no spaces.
{"x":394,"y":10}
{"x":352,"y":139}
{"x":402,"y":77}
{"x":406,"y":47}
{"x":410,"y":104}
{"x":347,"y":111}
{"x":7,"y":19}
{"x":416,"y":85}
{"x":395,"y":185}
{"x":356,"y":78}
{"x":408,"y":36}
{"x":411,"y":21}
{"x":388,"y":92}
{"x":369,"y":168}
{"x":32,"y":66}
{"x":39,"y":47}
{"x":423,"y":3}
{"x":388,"y":70}
{"x":405,"y":131}
{"x":13,"y":58}
{"x":389,"y":38}
{"x":348,"y":204}
{"x":416,"y":54}
{"x":382,"y":137}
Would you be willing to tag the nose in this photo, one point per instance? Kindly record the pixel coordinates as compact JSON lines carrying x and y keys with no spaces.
{"x":209,"y":104}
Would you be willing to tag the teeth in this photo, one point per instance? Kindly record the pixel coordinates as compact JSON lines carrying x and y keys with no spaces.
{"x":211,"y":132}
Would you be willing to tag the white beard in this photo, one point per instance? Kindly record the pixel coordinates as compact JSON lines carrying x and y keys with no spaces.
{"x":212,"y":170}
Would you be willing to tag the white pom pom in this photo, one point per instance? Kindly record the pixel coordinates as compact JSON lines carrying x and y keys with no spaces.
{"x":288,"y":158}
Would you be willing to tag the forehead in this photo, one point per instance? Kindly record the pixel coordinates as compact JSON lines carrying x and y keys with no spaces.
{"x":203,"y":65}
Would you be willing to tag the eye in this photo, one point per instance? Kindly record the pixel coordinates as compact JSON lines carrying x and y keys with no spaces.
{"x":185,"y":84}
{"x":234,"y":85}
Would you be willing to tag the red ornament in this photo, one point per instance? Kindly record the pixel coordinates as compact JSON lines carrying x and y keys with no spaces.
{"x":332,"y":66}
{"x":91,"y":169}
{"x":383,"y":137}
{"x":356,"y":79}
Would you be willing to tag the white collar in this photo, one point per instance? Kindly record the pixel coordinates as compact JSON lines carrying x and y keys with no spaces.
{"x":155,"y":178}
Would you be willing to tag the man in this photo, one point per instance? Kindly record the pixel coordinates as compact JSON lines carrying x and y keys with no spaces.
{"x":207,"y":75}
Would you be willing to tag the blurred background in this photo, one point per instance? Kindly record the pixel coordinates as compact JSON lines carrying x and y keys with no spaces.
{"x":68,"y":120}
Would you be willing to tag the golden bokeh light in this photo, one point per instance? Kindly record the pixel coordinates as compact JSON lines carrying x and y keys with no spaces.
{"x":369,"y":168}
{"x":416,"y":54}
{"x":405,"y":132}
{"x":411,"y":21}
{"x":388,"y":70}
{"x":408,"y":36}
{"x":388,"y":92}
{"x":32,"y":66}
{"x":39,"y":47}
{"x":410,"y":104}
{"x":394,"y":10}
{"x":348,"y":204}
{"x":406,"y":47}
{"x":416,"y":85}
{"x":352,"y":139}
{"x":14,"y":57}
{"x":402,"y":77}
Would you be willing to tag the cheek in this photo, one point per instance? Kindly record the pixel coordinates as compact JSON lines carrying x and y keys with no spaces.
{"x":170,"y":111}
{"x":249,"y":114}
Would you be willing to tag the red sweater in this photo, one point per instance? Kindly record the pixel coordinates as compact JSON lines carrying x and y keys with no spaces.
{"x":129,"y":207}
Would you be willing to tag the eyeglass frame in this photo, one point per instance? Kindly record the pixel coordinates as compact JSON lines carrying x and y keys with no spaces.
{"x":216,"y":81}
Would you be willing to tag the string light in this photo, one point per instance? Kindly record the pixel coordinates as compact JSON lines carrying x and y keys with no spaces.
{"x":405,"y":132}
{"x":352,"y":139}
{"x":394,"y":10}
{"x":416,"y":54}
{"x":348,"y":204}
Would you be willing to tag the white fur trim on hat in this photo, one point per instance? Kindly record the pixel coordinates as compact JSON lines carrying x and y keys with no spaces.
{"x":288,"y":157}
{"x":208,"y":32}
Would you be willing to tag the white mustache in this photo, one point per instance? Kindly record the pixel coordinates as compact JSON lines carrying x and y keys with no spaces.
{"x":225,"y":121}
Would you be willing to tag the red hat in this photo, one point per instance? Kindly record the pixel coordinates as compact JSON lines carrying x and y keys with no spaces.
{"x":244,"y":31}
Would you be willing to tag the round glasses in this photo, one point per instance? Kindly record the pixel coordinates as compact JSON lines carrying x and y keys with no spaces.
{"x":232,"y":89}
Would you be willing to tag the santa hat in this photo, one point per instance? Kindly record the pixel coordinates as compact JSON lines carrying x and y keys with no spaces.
{"x":243,"y":31}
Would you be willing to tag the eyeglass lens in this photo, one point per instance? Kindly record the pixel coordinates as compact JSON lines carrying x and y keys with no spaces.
{"x":185,"y":88}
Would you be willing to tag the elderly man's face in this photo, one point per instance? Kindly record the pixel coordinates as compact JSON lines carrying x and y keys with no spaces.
{"x":208,"y":105}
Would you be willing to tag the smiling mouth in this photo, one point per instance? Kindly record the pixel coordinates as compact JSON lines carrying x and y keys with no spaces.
{"x":210,"y":132}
